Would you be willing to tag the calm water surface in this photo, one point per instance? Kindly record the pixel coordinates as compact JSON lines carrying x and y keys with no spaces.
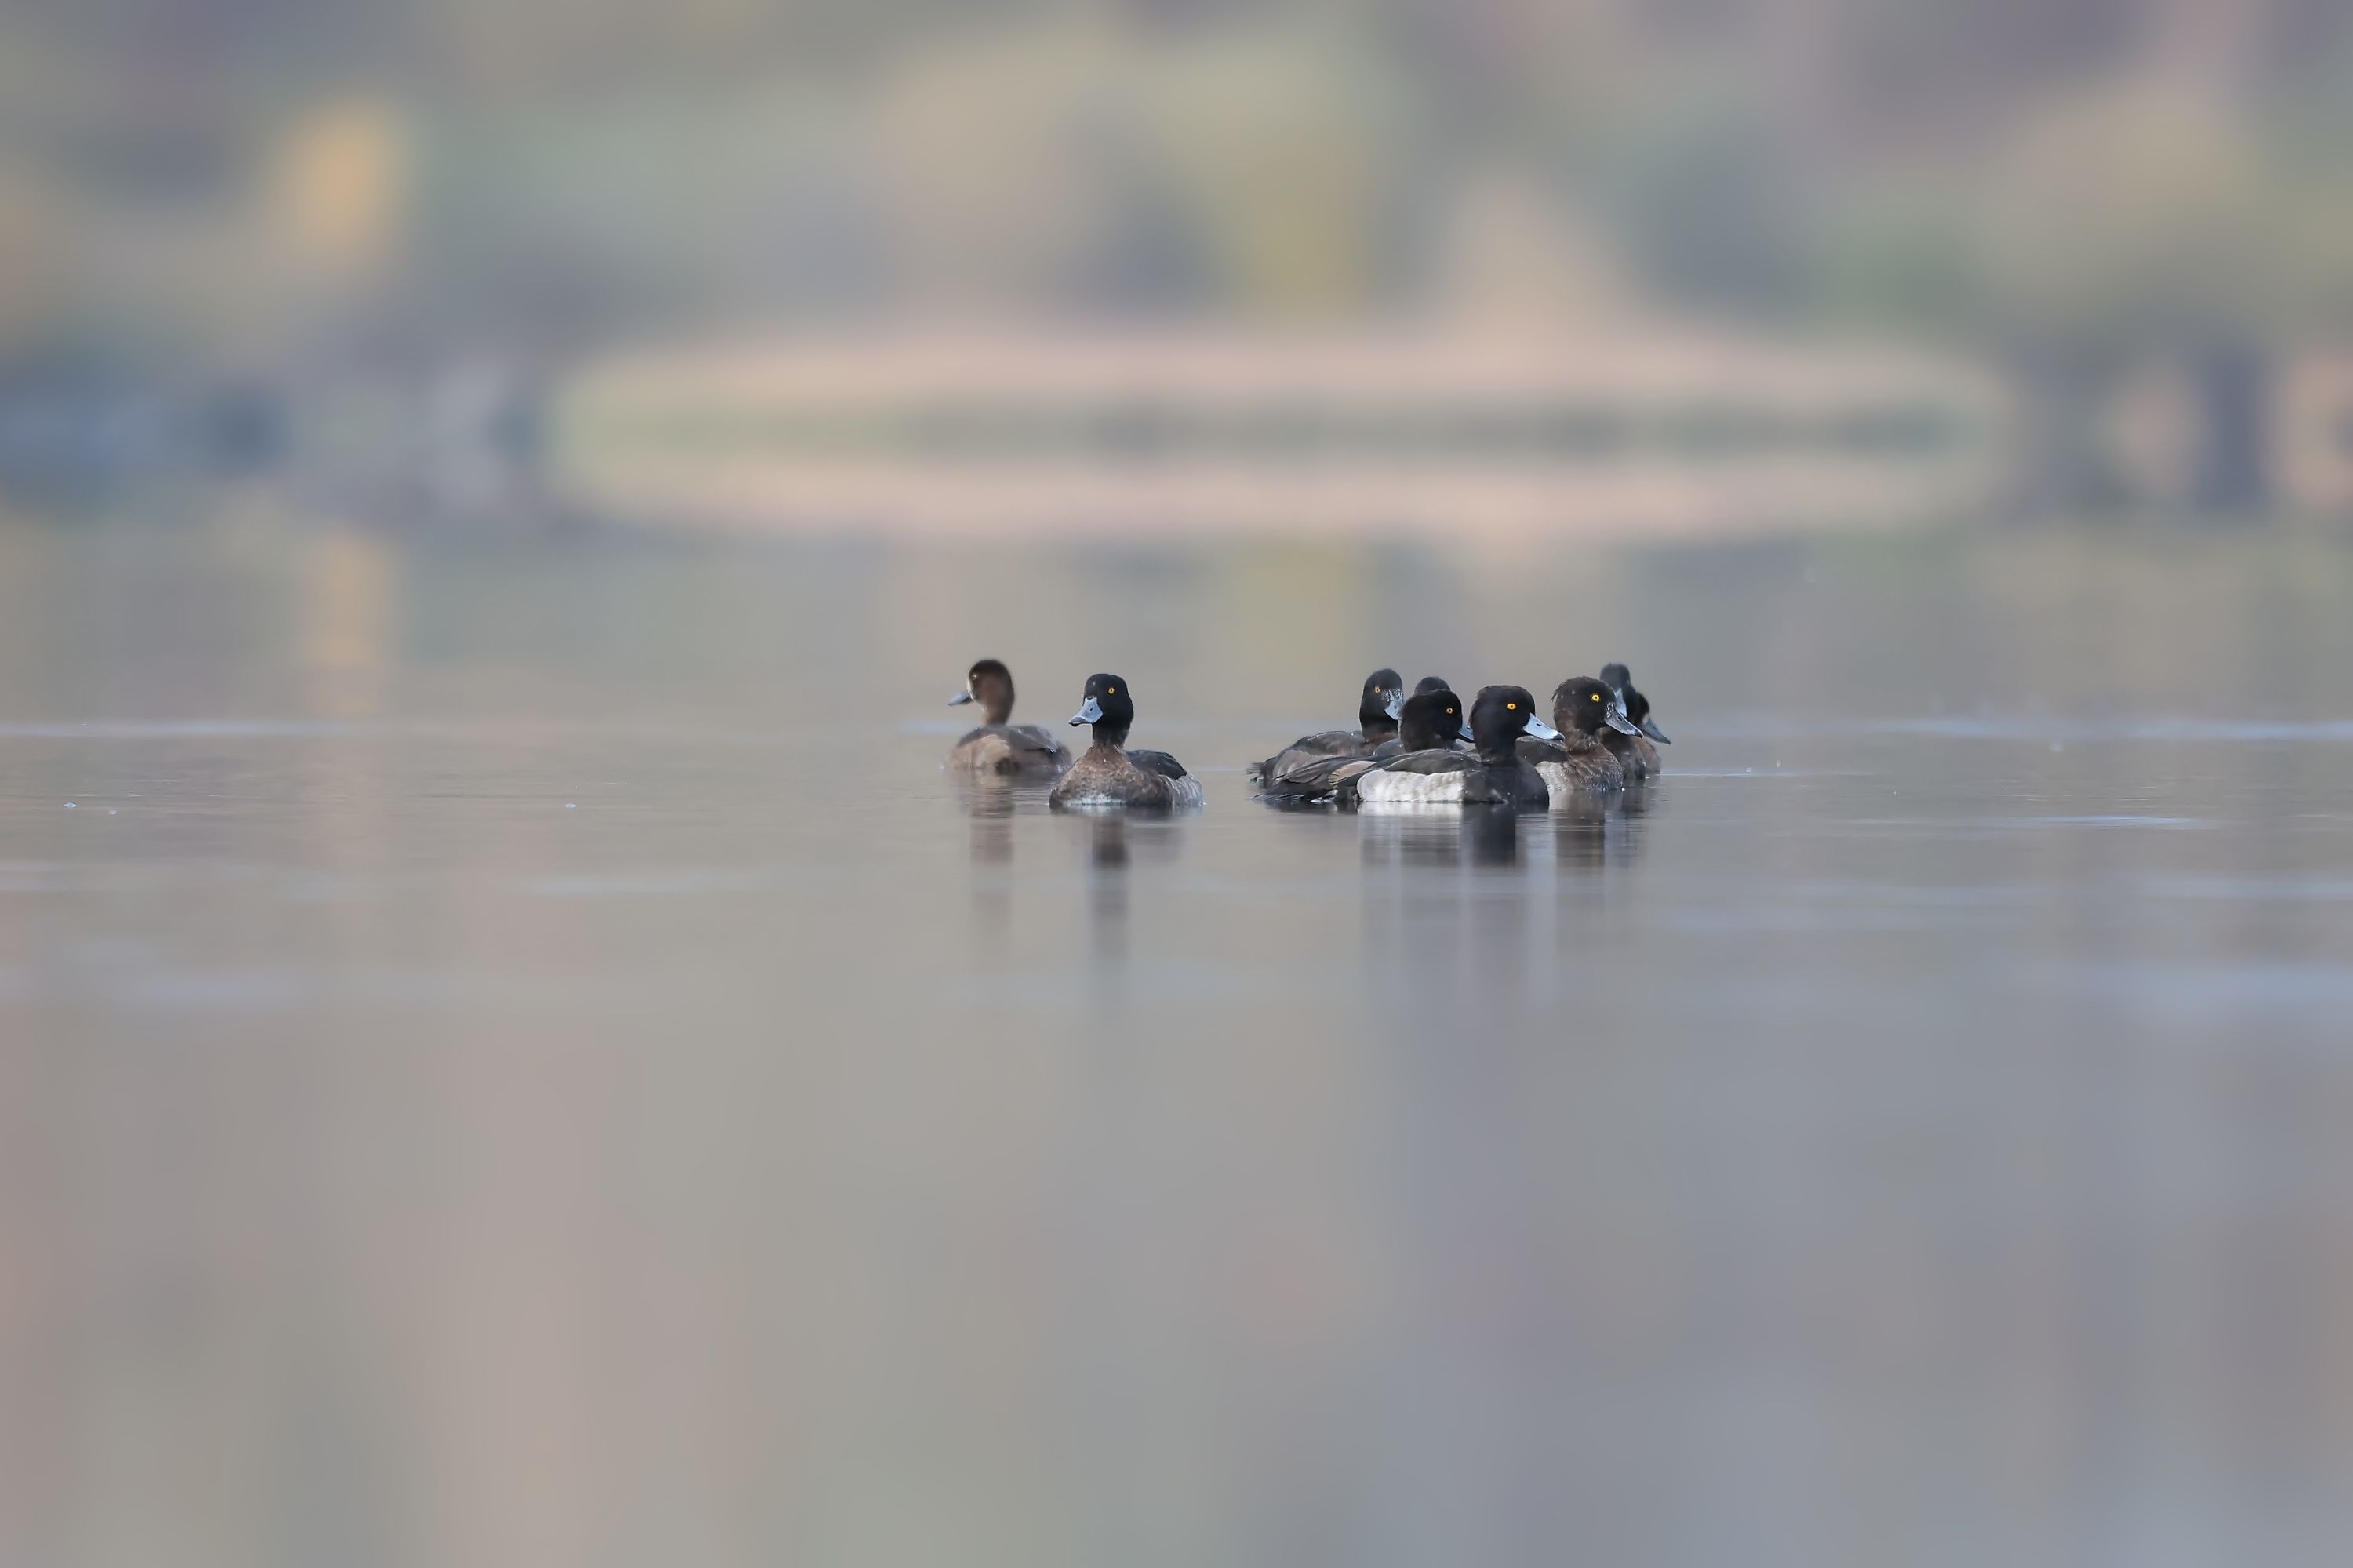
{"x":516,"y":1053}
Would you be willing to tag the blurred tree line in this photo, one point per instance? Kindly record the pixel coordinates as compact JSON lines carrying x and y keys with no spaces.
{"x":296,"y":190}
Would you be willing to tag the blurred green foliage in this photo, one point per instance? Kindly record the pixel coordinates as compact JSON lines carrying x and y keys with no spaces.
{"x":565,"y":171}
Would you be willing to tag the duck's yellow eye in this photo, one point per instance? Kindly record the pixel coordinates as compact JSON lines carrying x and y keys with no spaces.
{"x":1111,"y":691}
{"x":1596,"y":697}
{"x":1510,"y":707}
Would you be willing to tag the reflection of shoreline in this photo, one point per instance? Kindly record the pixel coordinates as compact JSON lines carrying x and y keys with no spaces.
{"x":1729,"y":501}
{"x":1645,"y":434}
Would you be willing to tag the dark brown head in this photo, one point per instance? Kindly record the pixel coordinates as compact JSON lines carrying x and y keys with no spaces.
{"x":1430,"y":721}
{"x":1584,"y":705}
{"x":990,"y":684}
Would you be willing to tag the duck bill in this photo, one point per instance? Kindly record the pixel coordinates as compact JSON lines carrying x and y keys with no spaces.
{"x":959,"y":699}
{"x":1090,"y":712}
{"x":1395,"y":707}
{"x":1620,"y":722}
{"x":1542,"y":730}
{"x":1465,"y":733}
{"x":1655,"y":733}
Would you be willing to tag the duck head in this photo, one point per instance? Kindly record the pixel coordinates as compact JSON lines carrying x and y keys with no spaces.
{"x":1633,"y":704}
{"x":1585,"y":706}
{"x":990,"y":684}
{"x":1383,"y":699}
{"x":1109,"y":709}
{"x":1499,"y":717}
{"x":1430,"y":720}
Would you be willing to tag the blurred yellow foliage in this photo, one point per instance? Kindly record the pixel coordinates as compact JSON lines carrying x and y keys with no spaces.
{"x":2137,"y":208}
{"x":338,"y":185}
{"x":1272,"y":138}
{"x":31,"y":248}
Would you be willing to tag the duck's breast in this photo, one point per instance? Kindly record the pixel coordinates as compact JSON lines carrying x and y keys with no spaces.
{"x":983,"y":750}
{"x":1560,"y":785}
{"x":1635,"y":755}
{"x":1580,"y":773}
{"x":1086,"y":783}
{"x":1099,"y":780}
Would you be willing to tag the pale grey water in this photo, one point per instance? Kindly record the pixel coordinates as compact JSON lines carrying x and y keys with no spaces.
{"x":517,"y":1054}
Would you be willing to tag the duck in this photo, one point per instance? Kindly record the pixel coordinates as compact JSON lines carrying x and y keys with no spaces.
{"x":1489,"y":774}
{"x":1577,"y":760}
{"x":1454,"y":740}
{"x":997,"y":747}
{"x":1635,"y":753}
{"x":1109,"y":776}
{"x":1376,"y":721}
{"x":1428,"y":721}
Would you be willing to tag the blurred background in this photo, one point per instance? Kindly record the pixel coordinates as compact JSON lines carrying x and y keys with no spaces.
{"x":1640,"y":262}
{"x":513,"y":1052}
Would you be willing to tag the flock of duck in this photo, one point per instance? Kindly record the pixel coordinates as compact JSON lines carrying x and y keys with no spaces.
{"x":1416,"y":747}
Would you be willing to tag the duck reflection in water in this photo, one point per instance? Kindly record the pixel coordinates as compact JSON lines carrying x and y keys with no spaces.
{"x":1491,"y":835}
{"x":988,"y":800}
{"x":1107,"y":843}
{"x":1412,"y":837}
{"x":1588,"y":835}
{"x":1580,"y":835}
{"x":1118,"y":845}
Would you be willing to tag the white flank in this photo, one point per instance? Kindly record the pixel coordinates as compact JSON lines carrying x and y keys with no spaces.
{"x":1384,"y":788}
